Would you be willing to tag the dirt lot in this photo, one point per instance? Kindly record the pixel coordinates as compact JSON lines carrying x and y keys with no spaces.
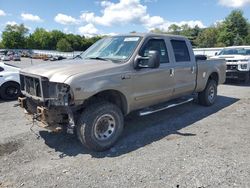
{"x":186,"y":146}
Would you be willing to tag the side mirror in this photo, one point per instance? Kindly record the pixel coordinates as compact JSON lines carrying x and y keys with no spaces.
{"x":216,"y":53}
{"x":200,"y":57}
{"x":152,"y":61}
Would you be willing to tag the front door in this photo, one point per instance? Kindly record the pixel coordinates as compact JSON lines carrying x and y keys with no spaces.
{"x":152,"y":86}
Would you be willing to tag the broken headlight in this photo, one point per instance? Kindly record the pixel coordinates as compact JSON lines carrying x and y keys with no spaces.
{"x":60,"y":94}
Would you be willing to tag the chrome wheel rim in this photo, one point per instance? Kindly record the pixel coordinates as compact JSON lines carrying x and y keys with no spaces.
{"x":211,"y":94}
{"x":104,"y":127}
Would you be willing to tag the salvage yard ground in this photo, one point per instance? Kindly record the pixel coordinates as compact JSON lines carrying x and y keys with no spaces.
{"x":186,"y":146}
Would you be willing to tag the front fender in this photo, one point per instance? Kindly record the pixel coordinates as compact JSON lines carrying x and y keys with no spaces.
{"x":85,"y":88}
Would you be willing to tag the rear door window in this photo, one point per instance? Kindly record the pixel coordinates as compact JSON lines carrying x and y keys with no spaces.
{"x":181,"y":52}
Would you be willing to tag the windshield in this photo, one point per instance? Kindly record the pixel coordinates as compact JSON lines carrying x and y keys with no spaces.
{"x":112,"y":48}
{"x":235,"y":51}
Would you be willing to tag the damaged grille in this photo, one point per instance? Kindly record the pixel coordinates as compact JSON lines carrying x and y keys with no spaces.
{"x":31,"y":85}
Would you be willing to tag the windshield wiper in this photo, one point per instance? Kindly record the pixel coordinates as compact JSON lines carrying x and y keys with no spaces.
{"x":98,"y":58}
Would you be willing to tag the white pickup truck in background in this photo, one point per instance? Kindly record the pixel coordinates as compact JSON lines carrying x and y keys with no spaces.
{"x":238,"y":62}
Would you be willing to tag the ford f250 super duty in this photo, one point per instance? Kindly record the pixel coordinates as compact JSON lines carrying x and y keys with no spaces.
{"x":117,"y":75}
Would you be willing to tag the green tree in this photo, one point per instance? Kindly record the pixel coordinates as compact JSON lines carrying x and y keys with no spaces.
{"x":42,"y":39}
{"x":234,"y":29}
{"x":247,"y":39}
{"x":1,"y":45}
{"x":64,"y":46}
{"x":174,"y":29}
{"x":238,"y":40}
{"x":30,"y":42}
{"x":207,"y":38}
{"x":157,"y":30}
{"x":14,"y":36}
{"x":190,"y":33}
{"x":75,"y":41}
{"x":55,"y":36}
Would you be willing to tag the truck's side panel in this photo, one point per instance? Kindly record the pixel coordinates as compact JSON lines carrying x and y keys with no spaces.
{"x":184,"y":66}
{"x":208,"y":67}
{"x":151,"y":86}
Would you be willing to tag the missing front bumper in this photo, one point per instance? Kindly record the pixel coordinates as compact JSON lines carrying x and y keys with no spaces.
{"x":51,"y":119}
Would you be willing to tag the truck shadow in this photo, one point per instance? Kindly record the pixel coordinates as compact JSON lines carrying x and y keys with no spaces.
{"x":142,"y":131}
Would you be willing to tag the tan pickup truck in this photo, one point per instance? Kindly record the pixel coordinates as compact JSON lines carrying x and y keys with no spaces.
{"x":145,"y":73}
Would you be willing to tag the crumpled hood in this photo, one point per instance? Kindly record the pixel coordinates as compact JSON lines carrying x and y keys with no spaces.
{"x":61,"y":71}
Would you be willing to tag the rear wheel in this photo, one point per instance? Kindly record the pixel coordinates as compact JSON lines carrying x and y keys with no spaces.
{"x":10,"y":91}
{"x":100,"y":126}
{"x":208,"y":96}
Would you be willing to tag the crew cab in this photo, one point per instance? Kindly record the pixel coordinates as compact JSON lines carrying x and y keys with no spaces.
{"x":117,"y":75}
{"x":238,"y":62}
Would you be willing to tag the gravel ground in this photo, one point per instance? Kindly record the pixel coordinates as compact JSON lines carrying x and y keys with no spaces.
{"x":186,"y":146}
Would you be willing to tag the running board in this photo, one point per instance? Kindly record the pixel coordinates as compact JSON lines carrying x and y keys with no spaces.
{"x":164,"y":106}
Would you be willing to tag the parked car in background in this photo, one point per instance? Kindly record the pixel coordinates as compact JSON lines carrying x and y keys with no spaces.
{"x":57,"y":58}
{"x":238,"y":62}
{"x":9,"y":53}
{"x":5,"y":58}
{"x":26,"y":53}
{"x":16,"y":57}
{"x":3,"y":52}
{"x":9,"y":82}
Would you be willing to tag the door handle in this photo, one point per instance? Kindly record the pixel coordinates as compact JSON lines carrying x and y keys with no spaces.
{"x":192,"y":69}
{"x":126,"y":76}
{"x":171,"y":72}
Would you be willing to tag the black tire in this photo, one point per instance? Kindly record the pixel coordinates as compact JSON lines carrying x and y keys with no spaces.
{"x":10,"y":91}
{"x":247,"y":77}
{"x":101,"y":115}
{"x":208,"y":96}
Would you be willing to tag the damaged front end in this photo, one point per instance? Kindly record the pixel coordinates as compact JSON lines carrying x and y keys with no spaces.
{"x":49,"y":103}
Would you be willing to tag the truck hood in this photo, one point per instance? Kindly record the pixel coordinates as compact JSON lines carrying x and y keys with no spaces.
{"x":231,"y":57}
{"x":61,"y":71}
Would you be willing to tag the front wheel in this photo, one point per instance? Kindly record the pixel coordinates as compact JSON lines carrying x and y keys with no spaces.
{"x":100,"y":126}
{"x":208,"y":96}
{"x":10,"y":91}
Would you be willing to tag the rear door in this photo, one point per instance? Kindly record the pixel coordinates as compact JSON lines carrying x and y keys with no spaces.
{"x":184,"y":67}
{"x":152,"y":86}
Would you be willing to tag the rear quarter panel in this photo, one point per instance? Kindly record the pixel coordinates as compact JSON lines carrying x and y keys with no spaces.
{"x":206,"y":68}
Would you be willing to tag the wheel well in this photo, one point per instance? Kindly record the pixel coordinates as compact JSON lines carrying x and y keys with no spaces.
{"x":214,"y":76}
{"x":10,"y":82}
{"x":112,"y":96}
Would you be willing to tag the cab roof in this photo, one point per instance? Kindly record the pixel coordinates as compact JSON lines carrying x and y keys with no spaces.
{"x":153,"y":35}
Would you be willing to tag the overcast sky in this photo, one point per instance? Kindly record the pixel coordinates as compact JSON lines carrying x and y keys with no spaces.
{"x":86,"y":17}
